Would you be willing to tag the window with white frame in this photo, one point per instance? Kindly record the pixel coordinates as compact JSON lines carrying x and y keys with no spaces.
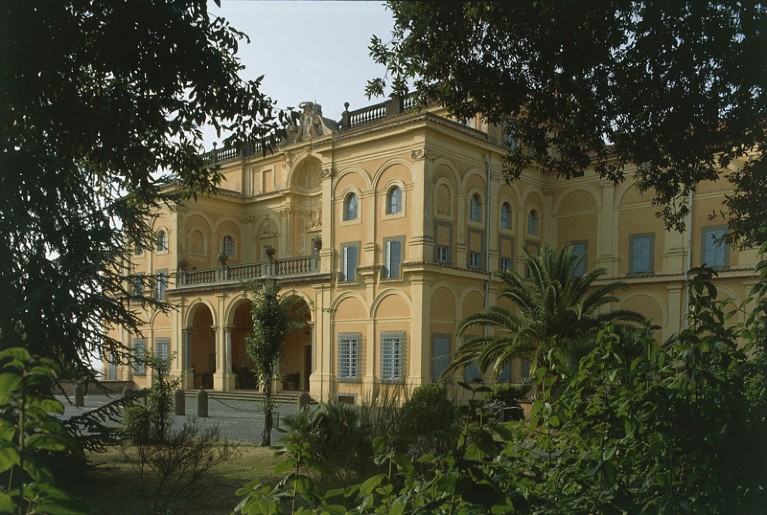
{"x":715,"y":251}
{"x":392,"y":258}
{"x":641,"y":253}
{"x":162,"y":348}
{"x":475,"y":259}
{"x":162,"y":284}
{"x":580,"y":249}
{"x":349,"y":261}
{"x":475,"y":208}
{"x":139,"y":356}
{"x":442,"y":254}
{"x":392,"y":355}
{"x":228,"y":246}
{"x":350,"y":207}
{"x":394,"y":201}
{"x":161,"y":241}
{"x":505,"y":216}
{"x":440,"y":355}
{"x":532,"y":222}
{"x":505,"y":253}
{"x":349,"y":355}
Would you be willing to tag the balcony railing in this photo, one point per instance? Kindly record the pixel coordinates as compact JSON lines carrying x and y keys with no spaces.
{"x":289,"y":268}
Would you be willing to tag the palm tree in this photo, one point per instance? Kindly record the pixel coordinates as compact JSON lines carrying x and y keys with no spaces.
{"x":558,"y":316}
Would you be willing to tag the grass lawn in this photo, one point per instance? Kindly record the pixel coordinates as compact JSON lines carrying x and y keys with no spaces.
{"x":111,"y":483}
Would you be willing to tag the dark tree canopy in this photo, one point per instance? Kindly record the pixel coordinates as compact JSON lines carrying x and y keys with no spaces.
{"x":675,"y":88}
{"x":100,"y":109}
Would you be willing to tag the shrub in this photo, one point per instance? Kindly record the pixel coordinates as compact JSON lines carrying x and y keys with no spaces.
{"x":427,"y":419}
{"x":170,"y":469}
{"x":503,"y":401}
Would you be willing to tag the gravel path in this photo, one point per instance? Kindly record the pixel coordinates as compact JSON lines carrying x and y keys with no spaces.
{"x":238,"y":420}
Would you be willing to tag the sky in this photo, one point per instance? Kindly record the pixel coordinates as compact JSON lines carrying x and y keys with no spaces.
{"x":313,"y":51}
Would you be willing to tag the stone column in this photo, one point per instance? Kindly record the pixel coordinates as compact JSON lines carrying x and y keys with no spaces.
{"x":228,"y":376}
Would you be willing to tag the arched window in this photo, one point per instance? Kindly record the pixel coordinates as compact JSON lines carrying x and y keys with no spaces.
{"x":350,"y":207}
{"x":505,"y":216}
{"x":394,"y":201}
{"x":228,"y":246}
{"x":475,"y":208}
{"x":532,"y":222}
{"x":161,"y":241}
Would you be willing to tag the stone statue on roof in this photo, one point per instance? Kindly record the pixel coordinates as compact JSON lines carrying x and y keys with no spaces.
{"x":310,"y":124}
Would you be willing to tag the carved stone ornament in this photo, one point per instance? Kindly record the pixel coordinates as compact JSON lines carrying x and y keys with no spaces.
{"x":417,"y":154}
{"x":326,"y":172}
{"x":310,"y":124}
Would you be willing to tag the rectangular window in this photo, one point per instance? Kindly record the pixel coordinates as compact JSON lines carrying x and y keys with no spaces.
{"x":162,"y":284}
{"x":472,"y":372}
{"x":443,"y":242}
{"x":505,"y":375}
{"x":392,"y":258}
{"x":474,"y":259}
{"x":715,"y":252}
{"x":349,"y":254}
{"x":442,"y":254}
{"x":476,"y":246}
{"x":580,"y":249}
{"x":392,"y":357}
{"x":641,"y":253}
{"x":505,"y":253}
{"x":348,"y":355}
{"x":440,"y":355}
{"x":162,"y":348}
{"x":139,"y":357}
{"x":138,"y":286}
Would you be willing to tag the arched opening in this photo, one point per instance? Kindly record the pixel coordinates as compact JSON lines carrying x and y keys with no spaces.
{"x":242,"y":366}
{"x":202,"y":357}
{"x":296,"y":362}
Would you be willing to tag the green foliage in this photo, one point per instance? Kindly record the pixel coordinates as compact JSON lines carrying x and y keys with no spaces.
{"x":274,"y":318}
{"x":583,"y":84}
{"x":428,"y":419}
{"x":97,"y":97}
{"x":675,"y":428}
{"x":29,"y":432}
{"x":558,"y":314}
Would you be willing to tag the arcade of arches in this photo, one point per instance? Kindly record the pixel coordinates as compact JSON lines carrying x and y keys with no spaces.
{"x":228,"y":366}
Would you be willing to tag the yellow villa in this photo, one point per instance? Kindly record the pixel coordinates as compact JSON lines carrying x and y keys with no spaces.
{"x":390,"y":225}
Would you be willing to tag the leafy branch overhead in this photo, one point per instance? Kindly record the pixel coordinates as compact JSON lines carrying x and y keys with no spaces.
{"x":101,"y":114}
{"x":673,"y":90}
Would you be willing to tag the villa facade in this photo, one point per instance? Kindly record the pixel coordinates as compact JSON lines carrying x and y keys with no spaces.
{"x":390,"y":226}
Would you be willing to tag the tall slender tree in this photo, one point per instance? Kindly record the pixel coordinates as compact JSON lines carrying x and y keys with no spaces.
{"x":274,"y":318}
{"x":558,"y":314}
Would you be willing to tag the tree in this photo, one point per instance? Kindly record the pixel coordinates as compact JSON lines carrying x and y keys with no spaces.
{"x":274,"y":318}
{"x":675,"y":89}
{"x":101,"y":105}
{"x":559,"y":314}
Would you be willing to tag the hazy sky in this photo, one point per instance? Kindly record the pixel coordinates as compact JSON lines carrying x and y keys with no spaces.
{"x":309,"y":50}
